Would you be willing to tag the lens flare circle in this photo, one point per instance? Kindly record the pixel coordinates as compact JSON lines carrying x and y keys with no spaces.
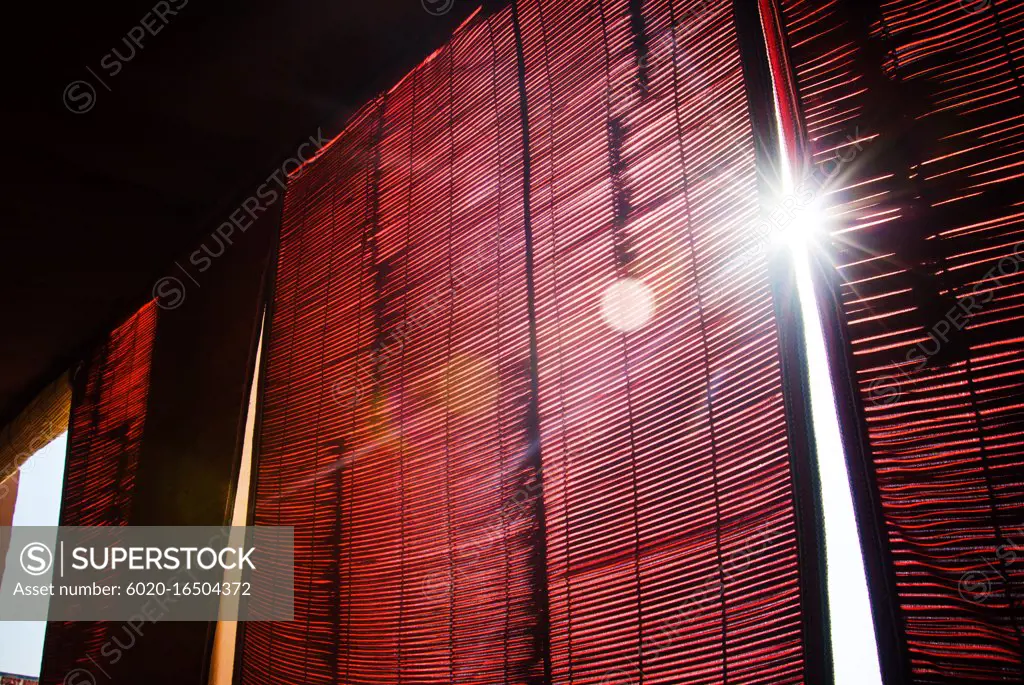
{"x":627,"y":305}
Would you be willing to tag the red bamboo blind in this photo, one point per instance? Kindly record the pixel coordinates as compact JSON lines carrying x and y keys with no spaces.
{"x":672,"y":543}
{"x":488,"y":481}
{"x":393,"y":431}
{"x":926,"y":229}
{"x":107,"y":422}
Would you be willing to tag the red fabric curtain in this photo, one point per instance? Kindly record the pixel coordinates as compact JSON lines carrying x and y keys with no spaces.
{"x":524,"y":401}
{"x":912,"y":120}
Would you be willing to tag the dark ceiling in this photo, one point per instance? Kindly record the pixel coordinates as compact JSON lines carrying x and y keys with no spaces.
{"x":100,"y":202}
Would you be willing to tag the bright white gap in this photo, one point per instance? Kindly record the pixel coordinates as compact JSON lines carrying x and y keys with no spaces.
{"x":40,"y":488}
{"x":854,"y":646}
{"x":222,"y":664}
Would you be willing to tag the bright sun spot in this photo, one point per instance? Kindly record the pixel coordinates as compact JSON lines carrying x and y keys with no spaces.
{"x":803,"y":225}
{"x":627,"y":305}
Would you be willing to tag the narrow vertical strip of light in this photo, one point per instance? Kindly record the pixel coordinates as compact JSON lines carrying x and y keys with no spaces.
{"x":852,"y":631}
{"x":222,"y":665}
{"x":854,"y":648}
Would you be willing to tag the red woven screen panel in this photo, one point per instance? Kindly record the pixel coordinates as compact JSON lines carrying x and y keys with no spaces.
{"x":495,"y":472}
{"x":108,"y":417}
{"x":107,"y":424}
{"x":914,"y":112}
{"x":671,"y":535}
{"x":393,"y":433}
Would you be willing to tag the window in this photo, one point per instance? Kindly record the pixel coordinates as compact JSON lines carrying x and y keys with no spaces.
{"x":40,"y":482}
